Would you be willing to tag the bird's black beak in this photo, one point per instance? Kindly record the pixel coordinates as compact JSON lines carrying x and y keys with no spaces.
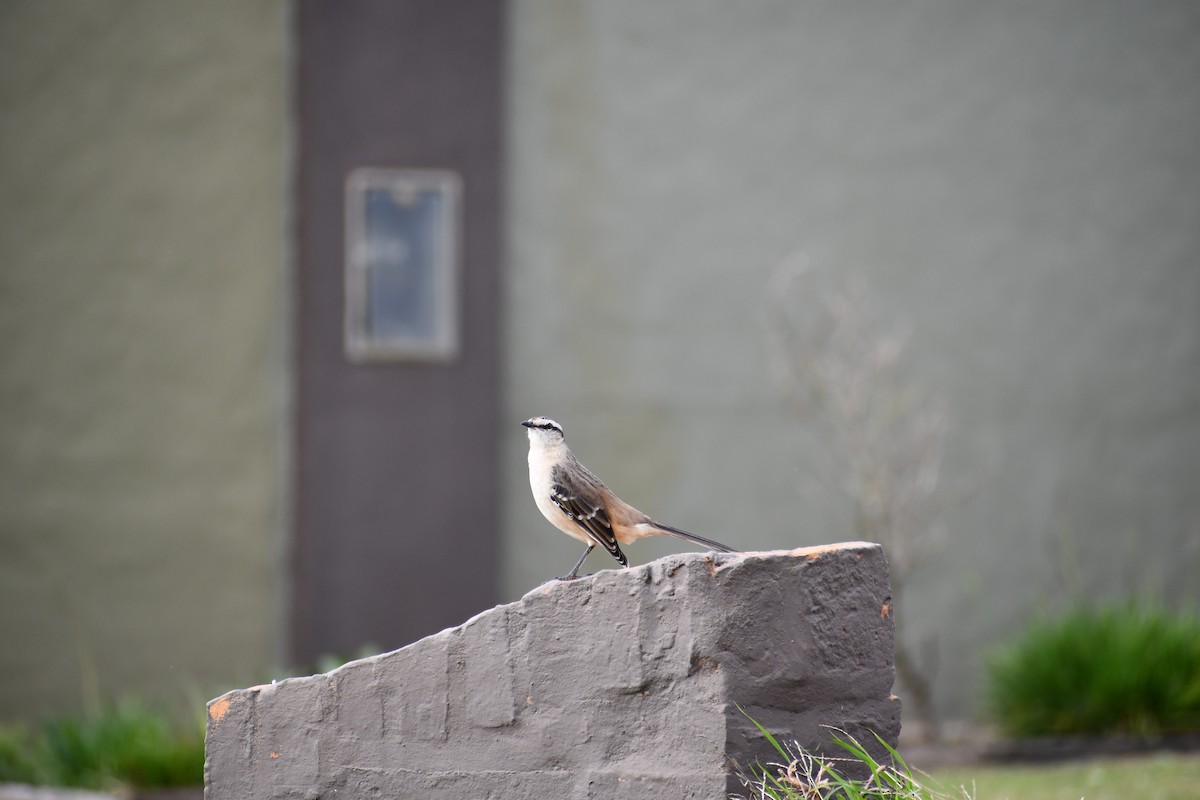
{"x":528,"y":423}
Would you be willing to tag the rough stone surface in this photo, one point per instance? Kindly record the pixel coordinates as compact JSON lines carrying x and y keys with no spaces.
{"x":623,"y":684}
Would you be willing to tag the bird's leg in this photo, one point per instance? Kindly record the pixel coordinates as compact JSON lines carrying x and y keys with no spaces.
{"x":574,"y":573}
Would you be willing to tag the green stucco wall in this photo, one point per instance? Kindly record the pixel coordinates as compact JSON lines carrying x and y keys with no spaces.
{"x":1019,"y":185}
{"x":142,"y":228}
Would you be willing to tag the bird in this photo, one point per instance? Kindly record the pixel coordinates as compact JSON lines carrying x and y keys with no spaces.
{"x":575,"y":501}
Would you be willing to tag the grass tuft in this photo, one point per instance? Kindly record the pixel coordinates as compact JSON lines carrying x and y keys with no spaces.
{"x":127,"y":745}
{"x":805,"y":776}
{"x":1117,"y":671}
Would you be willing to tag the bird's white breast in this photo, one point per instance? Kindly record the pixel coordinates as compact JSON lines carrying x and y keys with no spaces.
{"x":542,"y":460}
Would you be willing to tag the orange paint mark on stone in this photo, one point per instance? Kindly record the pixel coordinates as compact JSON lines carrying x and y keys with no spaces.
{"x":274,"y":755}
{"x":218,"y":709}
{"x":885,"y":611}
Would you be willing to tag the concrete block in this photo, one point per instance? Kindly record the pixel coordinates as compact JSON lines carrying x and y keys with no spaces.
{"x":626,"y":683}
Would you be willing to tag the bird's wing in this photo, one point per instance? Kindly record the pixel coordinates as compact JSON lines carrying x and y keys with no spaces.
{"x":570,"y":494}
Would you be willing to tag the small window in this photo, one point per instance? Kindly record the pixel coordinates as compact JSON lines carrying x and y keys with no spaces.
{"x":402,"y":264}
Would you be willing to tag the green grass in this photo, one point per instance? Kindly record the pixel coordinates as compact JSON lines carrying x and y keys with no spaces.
{"x":800,"y":775}
{"x":127,"y":745}
{"x":1126,"y":670}
{"x":1153,"y":777}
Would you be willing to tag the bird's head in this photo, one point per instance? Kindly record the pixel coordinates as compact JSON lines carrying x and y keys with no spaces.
{"x":543,"y":430}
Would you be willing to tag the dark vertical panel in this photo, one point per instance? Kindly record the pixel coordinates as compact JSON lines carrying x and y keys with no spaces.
{"x":396,"y":486}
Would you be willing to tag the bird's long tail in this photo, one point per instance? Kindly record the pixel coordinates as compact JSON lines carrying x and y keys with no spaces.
{"x":691,"y":537}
